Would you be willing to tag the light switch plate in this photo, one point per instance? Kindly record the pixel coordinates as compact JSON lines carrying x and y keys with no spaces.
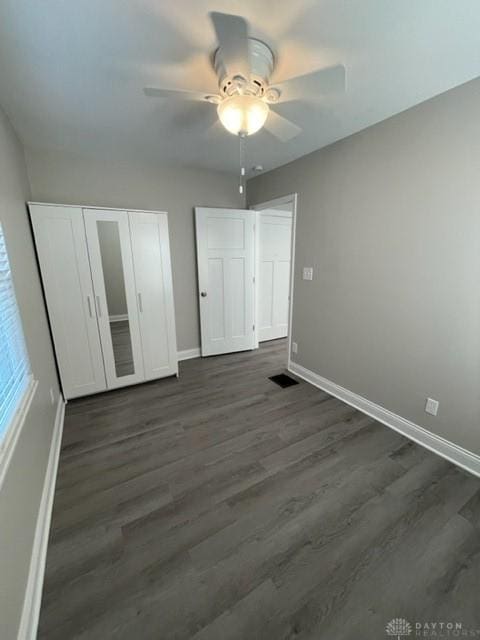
{"x":307,"y":273}
{"x":294,"y":347}
{"x":431,"y":406}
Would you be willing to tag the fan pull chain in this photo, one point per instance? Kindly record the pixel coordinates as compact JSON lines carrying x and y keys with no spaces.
{"x":242,"y":187}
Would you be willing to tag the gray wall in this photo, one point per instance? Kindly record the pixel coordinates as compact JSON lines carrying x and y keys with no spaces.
{"x":21,"y":492}
{"x":73,"y":179}
{"x":390,"y":220}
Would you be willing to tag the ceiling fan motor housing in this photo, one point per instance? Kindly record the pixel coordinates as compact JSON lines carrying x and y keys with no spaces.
{"x":261,"y":61}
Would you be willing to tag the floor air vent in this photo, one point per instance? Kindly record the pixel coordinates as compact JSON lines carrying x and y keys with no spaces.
{"x":283,"y":380}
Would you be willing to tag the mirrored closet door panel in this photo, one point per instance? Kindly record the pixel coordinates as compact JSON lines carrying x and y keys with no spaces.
{"x":109,"y":248}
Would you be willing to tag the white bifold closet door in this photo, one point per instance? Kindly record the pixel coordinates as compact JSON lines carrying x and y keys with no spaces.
{"x":108,"y":239}
{"x":153,"y":277}
{"x":63,"y":257}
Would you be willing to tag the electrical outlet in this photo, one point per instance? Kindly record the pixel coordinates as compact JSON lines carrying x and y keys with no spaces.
{"x":52,"y":396}
{"x":431,"y":406}
{"x":294,"y":347}
{"x":307,"y":273}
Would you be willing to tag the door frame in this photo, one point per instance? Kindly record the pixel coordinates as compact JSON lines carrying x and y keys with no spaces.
{"x":269,"y":204}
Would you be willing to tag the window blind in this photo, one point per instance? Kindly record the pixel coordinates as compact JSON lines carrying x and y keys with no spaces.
{"x":14,"y":364}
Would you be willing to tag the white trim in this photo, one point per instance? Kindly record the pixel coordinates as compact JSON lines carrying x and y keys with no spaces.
{"x":288,"y":199}
{"x":33,"y":592}
{"x":91,"y":206}
{"x":7,"y":447}
{"x":257,"y":279}
{"x":442,"y":447}
{"x":118,"y":318}
{"x":188,"y":354}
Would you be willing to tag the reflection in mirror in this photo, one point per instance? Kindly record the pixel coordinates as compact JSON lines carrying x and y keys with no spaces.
{"x":111,"y":254}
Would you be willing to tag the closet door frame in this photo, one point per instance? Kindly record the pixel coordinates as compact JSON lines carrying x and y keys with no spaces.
{"x":143,"y":281}
{"x":91,"y":217}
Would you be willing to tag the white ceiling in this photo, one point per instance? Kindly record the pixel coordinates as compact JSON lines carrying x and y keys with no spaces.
{"x":72,"y":73}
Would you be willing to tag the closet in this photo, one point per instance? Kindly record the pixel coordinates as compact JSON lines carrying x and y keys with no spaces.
{"x":108,"y":287}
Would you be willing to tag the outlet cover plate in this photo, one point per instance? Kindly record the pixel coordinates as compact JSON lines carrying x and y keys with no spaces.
{"x":431,"y":406}
{"x":307,"y":273}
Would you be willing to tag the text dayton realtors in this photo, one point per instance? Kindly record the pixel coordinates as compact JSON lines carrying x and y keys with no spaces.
{"x":439,"y":629}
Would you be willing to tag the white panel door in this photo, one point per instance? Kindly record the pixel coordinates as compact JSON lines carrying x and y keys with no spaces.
{"x":110,"y":251}
{"x":274,"y":255}
{"x":226,"y":265}
{"x":154,"y":288}
{"x":62,"y":254}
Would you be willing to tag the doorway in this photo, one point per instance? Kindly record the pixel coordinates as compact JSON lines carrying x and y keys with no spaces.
{"x":245,"y":262}
{"x":274,"y":259}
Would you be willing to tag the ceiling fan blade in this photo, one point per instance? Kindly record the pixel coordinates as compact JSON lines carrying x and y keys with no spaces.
{"x":176,"y":94}
{"x":193,"y":116}
{"x":316,"y":83}
{"x":280,"y":127}
{"x":232,"y":36}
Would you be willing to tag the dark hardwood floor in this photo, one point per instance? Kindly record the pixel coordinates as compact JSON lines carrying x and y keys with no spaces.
{"x":220,"y":506}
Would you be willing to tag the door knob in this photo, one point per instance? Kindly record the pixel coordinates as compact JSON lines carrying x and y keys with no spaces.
{"x":203,"y":294}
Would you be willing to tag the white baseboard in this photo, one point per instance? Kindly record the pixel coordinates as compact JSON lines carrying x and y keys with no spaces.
{"x":33,"y":593}
{"x":118,"y":318}
{"x":452,"y":452}
{"x":188,"y":354}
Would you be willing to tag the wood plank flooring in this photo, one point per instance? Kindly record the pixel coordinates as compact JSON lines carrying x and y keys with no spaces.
{"x":220,"y":506}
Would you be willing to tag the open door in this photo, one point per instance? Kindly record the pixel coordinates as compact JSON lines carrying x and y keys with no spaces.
{"x":274,"y":245}
{"x":226,"y":269}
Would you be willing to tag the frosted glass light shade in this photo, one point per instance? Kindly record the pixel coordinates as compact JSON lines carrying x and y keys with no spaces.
{"x":242,"y":114}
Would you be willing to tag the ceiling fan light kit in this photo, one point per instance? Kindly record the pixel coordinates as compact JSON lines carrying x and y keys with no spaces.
{"x":243,"y":66}
{"x":242,"y":114}
{"x":242,"y":108}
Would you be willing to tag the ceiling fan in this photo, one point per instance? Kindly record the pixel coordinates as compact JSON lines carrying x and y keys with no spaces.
{"x":245,"y":97}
